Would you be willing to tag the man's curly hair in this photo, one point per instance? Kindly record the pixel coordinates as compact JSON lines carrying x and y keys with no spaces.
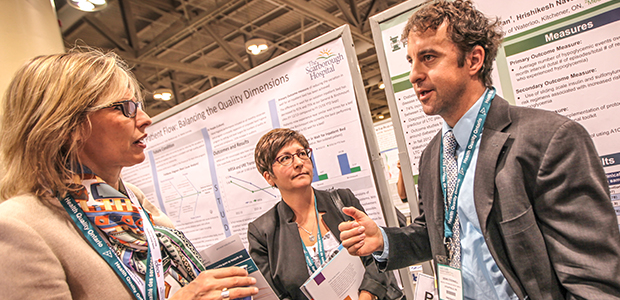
{"x":467,"y":27}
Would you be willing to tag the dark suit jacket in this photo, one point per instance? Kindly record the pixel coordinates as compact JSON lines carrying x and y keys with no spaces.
{"x":543,"y":204}
{"x":276,"y":248}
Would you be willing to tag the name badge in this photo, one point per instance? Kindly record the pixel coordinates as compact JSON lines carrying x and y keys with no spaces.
{"x":450,"y":283}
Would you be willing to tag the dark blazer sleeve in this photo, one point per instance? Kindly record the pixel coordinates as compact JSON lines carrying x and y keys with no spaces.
{"x":408,"y":245}
{"x":575,"y":215}
{"x":542,"y":200}
{"x":411,"y":244}
{"x":260,"y":255}
{"x":382,"y":285}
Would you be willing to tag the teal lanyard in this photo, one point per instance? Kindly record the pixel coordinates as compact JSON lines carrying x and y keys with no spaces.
{"x":452,"y":203}
{"x":88,"y":230}
{"x":319,"y":249}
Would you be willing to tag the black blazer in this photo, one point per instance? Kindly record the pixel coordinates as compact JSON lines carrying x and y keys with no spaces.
{"x":276,"y":248}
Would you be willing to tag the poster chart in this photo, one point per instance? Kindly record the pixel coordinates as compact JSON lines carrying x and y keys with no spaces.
{"x":200,"y":167}
{"x":563,"y":56}
{"x":384,"y":130}
{"x":388,"y":149}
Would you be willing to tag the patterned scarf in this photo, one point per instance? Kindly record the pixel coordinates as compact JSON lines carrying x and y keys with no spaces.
{"x":116,"y":217}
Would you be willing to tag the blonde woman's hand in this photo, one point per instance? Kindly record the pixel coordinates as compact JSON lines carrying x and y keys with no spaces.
{"x":210,"y":284}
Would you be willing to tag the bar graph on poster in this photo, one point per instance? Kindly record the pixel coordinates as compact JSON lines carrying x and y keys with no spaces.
{"x":200,"y":167}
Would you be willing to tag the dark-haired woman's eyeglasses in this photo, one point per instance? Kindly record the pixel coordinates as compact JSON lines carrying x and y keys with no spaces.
{"x":128,"y":107}
{"x":287,"y":159}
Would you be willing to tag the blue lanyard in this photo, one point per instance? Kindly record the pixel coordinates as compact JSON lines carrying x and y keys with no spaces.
{"x":452,"y":203}
{"x":319,"y":249}
{"x":78,"y":216}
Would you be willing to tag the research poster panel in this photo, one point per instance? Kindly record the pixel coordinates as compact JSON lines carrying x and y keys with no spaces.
{"x":418,"y":128}
{"x":200,"y":167}
{"x":384,"y":130}
{"x":388,"y":149}
{"x":562,"y":56}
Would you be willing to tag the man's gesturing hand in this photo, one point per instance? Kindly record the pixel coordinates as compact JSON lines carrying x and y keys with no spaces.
{"x":362,"y":236}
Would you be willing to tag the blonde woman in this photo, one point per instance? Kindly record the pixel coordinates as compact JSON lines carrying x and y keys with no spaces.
{"x":71,"y":228}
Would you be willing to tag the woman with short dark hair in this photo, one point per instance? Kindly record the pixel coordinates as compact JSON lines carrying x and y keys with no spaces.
{"x":300,"y":233}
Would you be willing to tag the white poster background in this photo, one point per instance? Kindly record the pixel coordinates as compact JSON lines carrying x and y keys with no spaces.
{"x":384,"y":130}
{"x":567,"y":63}
{"x":200,"y":162}
{"x":388,"y":148}
{"x":418,"y":128}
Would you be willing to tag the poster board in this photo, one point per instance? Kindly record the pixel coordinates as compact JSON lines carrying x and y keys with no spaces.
{"x":388,"y":148}
{"x":199,"y":166}
{"x":413,"y":129}
{"x":563,"y":56}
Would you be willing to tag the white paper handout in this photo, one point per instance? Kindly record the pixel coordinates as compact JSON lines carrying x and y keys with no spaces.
{"x":338,"y":279}
{"x":230,"y":252}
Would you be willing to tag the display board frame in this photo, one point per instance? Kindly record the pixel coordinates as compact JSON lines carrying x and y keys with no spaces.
{"x":362,"y":101}
{"x":400,"y":11}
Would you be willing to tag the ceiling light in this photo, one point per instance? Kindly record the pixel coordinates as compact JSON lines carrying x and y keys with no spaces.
{"x":381,"y":85}
{"x":88,"y":5}
{"x":380,"y":117}
{"x":256,"y":46}
{"x":162,"y":94}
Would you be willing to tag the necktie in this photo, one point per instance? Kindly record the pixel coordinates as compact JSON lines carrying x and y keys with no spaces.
{"x":451,"y":169}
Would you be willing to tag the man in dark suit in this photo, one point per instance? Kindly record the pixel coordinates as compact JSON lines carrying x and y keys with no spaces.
{"x":527,"y":213}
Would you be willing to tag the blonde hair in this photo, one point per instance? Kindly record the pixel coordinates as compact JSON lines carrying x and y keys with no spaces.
{"x":46,"y":117}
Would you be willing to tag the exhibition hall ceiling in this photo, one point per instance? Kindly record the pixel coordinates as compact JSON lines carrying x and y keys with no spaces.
{"x":191,"y":46}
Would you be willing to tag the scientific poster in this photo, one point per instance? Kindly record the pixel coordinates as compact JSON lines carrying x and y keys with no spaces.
{"x":418,"y":128}
{"x":384,"y":130}
{"x":200,"y":166}
{"x":388,"y":148}
{"x":563,"y":56}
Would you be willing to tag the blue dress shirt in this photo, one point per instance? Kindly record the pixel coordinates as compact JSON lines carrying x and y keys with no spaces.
{"x":482,"y":278}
